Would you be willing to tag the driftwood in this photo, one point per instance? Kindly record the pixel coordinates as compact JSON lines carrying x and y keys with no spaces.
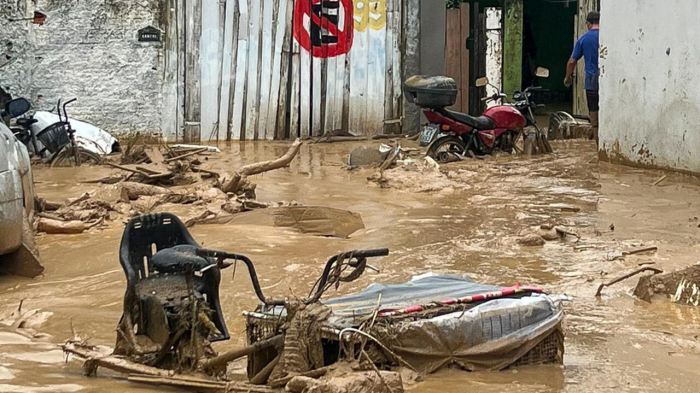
{"x":640,"y":250}
{"x":221,"y":360}
{"x":132,"y":190}
{"x":95,"y":358}
{"x":236,"y":183}
{"x":125,"y":168}
{"x":60,"y":227}
{"x":626,"y":276}
{"x":193,"y":152}
{"x":263,"y":375}
{"x":42,"y":205}
{"x":637,"y":251}
{"x":662,"y":178}
{"x":206,"y":171}
{"x":111,"y":179}
{"x":73,"y":201}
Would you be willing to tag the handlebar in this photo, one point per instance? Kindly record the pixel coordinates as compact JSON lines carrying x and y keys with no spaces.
{"x":223,"y":255}
{"x":379,"y":252}
{"x":495,"y":96}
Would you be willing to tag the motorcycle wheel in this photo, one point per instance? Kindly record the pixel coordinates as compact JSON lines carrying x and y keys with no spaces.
{"x":506,"y":142}
{"x":65,"y":158}
{"x":443,"y":148}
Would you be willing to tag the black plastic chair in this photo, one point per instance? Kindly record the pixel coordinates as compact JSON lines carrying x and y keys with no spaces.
{"x":145,"y":235}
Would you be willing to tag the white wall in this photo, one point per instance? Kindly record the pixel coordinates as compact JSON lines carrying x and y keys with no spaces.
{"x":650,"y":83}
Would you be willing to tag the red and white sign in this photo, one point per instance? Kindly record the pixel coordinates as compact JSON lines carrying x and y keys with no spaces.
{"x":324,"y":27}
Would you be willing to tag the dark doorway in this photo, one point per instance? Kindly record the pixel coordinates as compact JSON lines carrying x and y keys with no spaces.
{"x":548,"y":36}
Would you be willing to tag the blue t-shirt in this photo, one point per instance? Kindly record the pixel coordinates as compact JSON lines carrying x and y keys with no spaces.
{"x":587,"y":47}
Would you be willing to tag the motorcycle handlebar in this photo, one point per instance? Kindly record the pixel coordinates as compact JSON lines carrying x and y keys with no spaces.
{"x":379,"y":252}
{"x":359,"y":254}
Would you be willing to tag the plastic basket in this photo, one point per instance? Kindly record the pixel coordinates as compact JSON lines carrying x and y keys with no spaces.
{"x":54,"y":137}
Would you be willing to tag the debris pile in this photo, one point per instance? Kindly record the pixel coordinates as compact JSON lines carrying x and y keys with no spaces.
{"x":681,"y":286}
{"x":75,"y":215}
{"x":152,"y":178}
{"x":401,"y":169}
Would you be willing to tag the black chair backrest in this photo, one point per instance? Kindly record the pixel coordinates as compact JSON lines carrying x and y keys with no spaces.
{"x":147,"y":234}
{"x":144,"y":236}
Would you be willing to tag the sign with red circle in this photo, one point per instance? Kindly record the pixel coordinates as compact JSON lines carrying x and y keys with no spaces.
{"x":324,"y":27}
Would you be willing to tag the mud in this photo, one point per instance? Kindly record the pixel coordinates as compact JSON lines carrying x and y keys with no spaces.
{"x":615,"y":343}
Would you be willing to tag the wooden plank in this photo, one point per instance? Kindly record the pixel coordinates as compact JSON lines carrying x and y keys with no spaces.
{"x":209,"y":68}
{"x":234,"y":67}
{"x":253,"y":77}
{"x":376,"y":68}
{"x":513,"y":47}
{"x":181,"y":66}
{"x":358,"y":78}
{"x":397,"y":100}
{"x":494,"y":52}
{"x":273,"y":101}
{"x":305,"y":89}
{"x":192,"y":129}
{"x":227,"y":64}
{"x":316,"y":95}
{"x":330,"y":96}
{"x":345,"y":116}
{"x":284,"y":85}
{"x":295,"y":97}
{"x":266,"y":48}
{"x":389,"y":69}
{"x":453,"y":66}
{"x":336,"y":111}
{"x":170,"y":75}
{"x":239,"y":96}
{"x":465,"y":27}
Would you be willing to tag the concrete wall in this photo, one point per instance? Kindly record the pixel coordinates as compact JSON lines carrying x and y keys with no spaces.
{"x":88,"y":49}
{"x":650,"y":83}
{"x":15,"y":50}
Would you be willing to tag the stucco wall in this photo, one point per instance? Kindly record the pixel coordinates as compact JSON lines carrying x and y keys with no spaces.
{"x":88,"y":49}
{"x":650,"y":83}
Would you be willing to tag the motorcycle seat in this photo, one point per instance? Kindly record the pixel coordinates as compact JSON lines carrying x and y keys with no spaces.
{"x":480,"y":123}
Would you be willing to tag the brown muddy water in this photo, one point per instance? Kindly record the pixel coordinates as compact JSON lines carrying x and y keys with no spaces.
{"x":615,"y":343}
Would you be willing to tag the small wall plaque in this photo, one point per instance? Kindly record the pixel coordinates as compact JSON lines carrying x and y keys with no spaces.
{"x":149,"y":34}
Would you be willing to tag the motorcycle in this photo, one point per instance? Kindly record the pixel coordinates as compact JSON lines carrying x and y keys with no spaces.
{"x":453,"y":134}
{"x":57,"y":141}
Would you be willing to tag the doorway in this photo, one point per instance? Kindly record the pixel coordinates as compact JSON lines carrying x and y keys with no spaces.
{"x":548,"y":37}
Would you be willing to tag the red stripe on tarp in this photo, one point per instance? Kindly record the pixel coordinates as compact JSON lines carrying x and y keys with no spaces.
{"x":467,"y":299}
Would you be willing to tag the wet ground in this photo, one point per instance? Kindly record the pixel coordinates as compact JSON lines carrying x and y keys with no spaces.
{"x":615,"y":343}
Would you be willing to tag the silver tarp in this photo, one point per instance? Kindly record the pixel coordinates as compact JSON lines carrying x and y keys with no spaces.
{"x":489,"y":336}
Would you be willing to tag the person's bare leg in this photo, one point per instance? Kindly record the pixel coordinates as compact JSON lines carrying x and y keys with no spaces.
{"x":594,"y":126}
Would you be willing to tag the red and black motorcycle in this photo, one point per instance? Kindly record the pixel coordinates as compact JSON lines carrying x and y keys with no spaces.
{"x":455,"y":133}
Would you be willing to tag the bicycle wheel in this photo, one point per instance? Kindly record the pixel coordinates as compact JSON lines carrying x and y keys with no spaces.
{"x":66,"y":158}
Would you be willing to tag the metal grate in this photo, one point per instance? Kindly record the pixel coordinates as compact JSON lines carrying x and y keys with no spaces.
{"x":549,"y":350}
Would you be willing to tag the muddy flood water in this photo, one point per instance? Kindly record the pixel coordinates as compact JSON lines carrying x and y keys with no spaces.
{"x":469,"y":227}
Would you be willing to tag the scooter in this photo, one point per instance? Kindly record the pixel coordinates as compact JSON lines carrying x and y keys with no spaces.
{"x":453,"y":134}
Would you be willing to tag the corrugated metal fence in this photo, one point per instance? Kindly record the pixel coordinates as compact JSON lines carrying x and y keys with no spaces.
{"x":277,"y":69}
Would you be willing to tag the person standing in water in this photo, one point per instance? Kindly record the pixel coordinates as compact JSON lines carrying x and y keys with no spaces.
{"x":587,"y":47}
